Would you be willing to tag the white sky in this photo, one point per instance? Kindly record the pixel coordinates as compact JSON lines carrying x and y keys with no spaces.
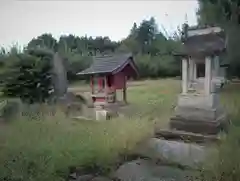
{"x":20,"y":21}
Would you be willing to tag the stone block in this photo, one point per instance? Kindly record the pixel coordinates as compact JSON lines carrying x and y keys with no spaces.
{"x":196,"y":113}
{"x":101,"y":114}
{"x":200,"y":101}
{"x":211,"y":126}
{"x":173,"y":152}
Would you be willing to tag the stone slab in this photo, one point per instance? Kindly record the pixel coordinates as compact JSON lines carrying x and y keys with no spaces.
{"x":197,"y":113}
{"x":186,"y":136}
{"x":200,"y":101}
{"x":199,"y":126}
{"x":145,"y":170}
{"x":173,"y":152}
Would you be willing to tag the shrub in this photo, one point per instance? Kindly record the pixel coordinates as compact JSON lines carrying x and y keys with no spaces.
{"x":28,"y":78}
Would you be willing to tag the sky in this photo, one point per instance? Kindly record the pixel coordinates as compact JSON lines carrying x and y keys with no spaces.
{"x":23,"y":20}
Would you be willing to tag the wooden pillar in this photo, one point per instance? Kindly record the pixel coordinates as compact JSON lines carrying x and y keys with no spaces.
{"x":92,"y":84}
{"x":184,"y":75}
{"x":105,"y":88}
{"x":100,"y":83}
{"x":125,"y":90}
{"x":208,"y":75}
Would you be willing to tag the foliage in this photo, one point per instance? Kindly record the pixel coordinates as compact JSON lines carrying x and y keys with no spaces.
{"x":43,"y":41}
{"x":28,"y":78}
{"x":228,"y":10}
{"x":144,"y":40}
{"x":26,"y":73}
{"x":153,"y":50}
{"x":155,"y":66}
{"x":225,"y":14}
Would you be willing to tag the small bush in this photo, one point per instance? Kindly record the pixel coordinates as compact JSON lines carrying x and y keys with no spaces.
{"x":10,"y":109}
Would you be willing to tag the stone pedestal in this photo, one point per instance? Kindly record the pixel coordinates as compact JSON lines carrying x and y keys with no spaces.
{"x":198,"y":113}
{"x":101,"y":113}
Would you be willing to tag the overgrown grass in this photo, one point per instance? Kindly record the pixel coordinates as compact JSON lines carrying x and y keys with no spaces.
{"x":225,"y":166}
{"x":45,"y":147}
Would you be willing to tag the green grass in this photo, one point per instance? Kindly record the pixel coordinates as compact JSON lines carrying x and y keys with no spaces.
{"x":40,"y":149}
{"x":45,"y":148}
{"x":225,"y":166}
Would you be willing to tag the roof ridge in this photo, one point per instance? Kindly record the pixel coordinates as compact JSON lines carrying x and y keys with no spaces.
{"x":113,"y":55}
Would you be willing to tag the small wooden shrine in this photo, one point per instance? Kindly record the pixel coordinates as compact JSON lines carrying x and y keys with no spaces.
{"x":109,"y":74}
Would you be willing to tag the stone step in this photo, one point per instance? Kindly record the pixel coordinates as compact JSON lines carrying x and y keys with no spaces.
{"x":196,"y":113}
{"x":202,"y":127}
{"x":197,"y":125}
{"x":186,"y":136}
{"x":146,"y":170}
{"x":174,"y":152}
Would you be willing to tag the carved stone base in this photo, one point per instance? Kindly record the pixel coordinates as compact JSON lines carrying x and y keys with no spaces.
{"x":199,"y":114}
{"x":199,"y":126}
{"x":200,"y":101}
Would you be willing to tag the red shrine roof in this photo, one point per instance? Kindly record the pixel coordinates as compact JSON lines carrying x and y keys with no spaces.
{"x":110,"y":64}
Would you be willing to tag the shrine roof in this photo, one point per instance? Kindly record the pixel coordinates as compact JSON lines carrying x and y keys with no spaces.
{"x":202,"y":40}
{"x":205,"y":44}
{"x":109,"y":64}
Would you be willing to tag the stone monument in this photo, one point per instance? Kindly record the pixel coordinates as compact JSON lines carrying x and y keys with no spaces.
{"x":60,"y":82}
{"x":198,"y":108}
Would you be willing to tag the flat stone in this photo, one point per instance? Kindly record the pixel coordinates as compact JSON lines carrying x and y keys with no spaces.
{"x":85,"y":178}
{"x":169,"y":134}
{"x":145,"y":170}
{"x":173,"y":152}
{"x":100,"y":178}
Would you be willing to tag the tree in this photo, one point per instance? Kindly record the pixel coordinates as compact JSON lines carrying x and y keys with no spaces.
{"x":46,"y":41}
{"x":151,"y":48}
{"x":146,"y":34}
{"x":226,"y":15}
{"x":29,"y":78}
